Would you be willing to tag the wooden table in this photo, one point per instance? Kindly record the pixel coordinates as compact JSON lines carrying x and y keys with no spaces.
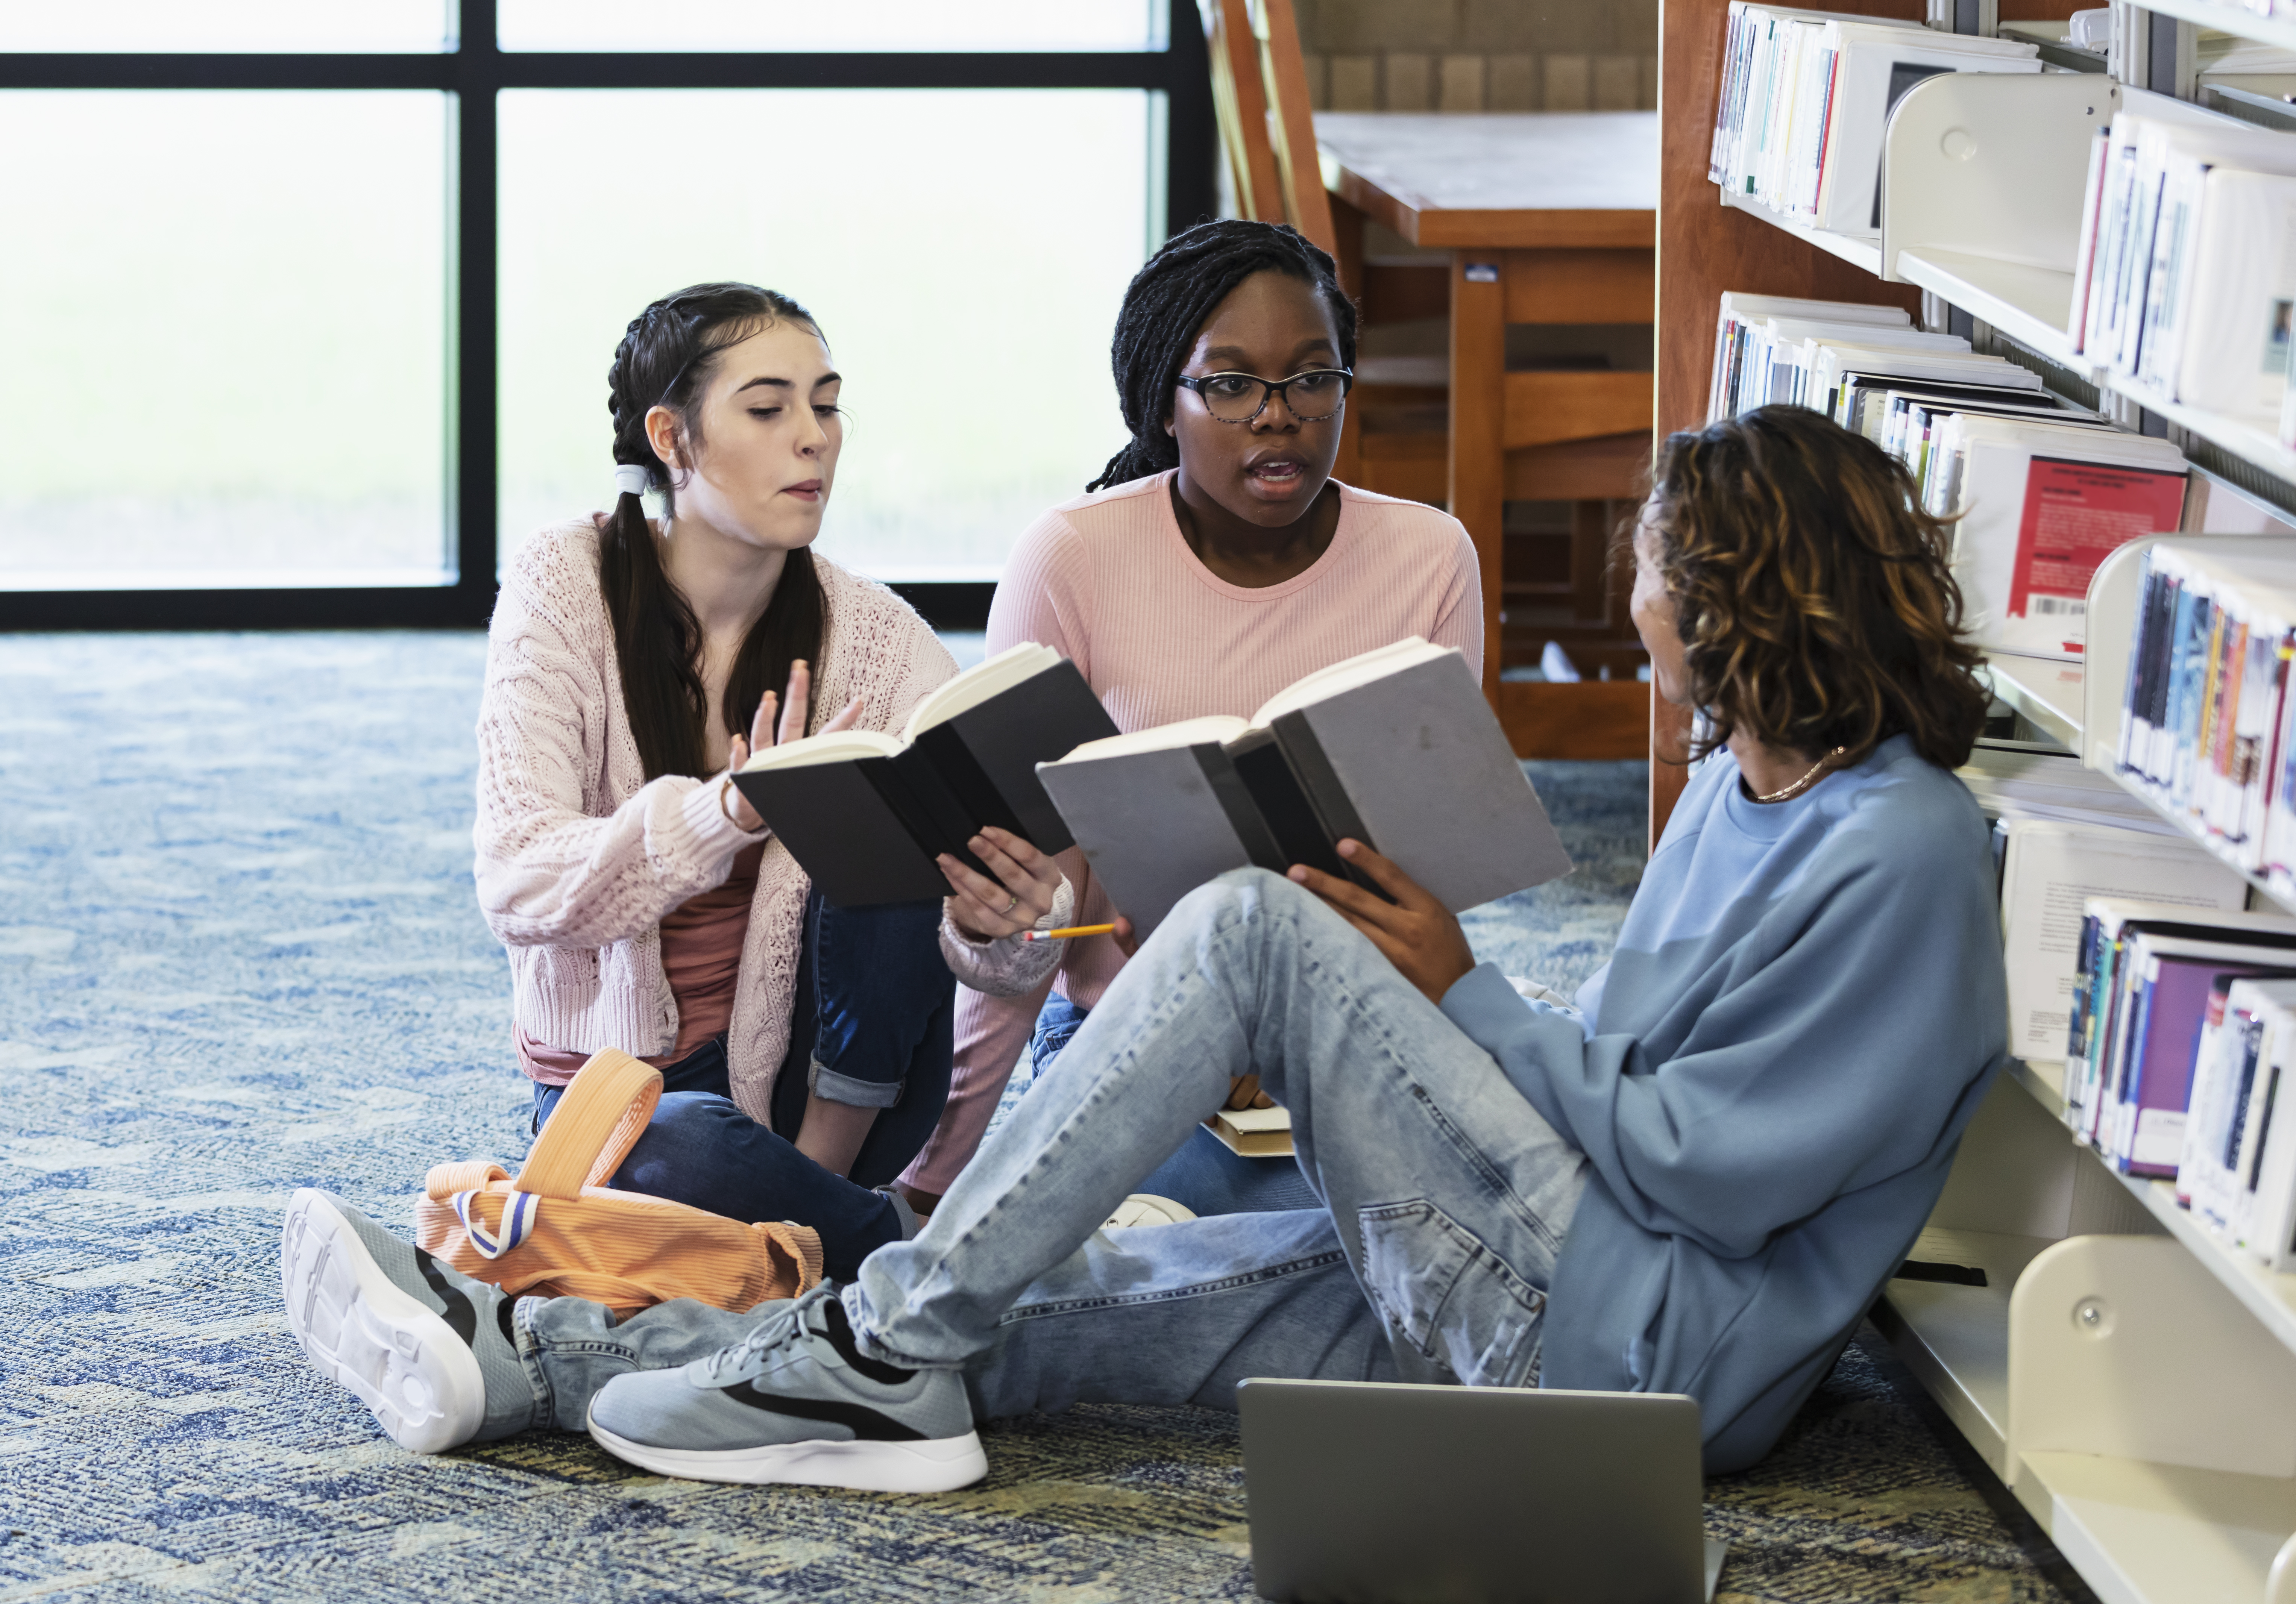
{"x":1548,"y":218}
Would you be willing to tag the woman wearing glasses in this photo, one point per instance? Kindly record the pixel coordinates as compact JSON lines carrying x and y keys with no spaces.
{"x":1214,"y":562}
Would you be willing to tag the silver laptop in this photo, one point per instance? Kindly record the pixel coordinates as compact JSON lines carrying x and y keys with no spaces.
{"x":1383,"y":1492}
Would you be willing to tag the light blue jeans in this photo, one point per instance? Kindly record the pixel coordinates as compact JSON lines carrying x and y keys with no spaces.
{"x":1447,"y":1198}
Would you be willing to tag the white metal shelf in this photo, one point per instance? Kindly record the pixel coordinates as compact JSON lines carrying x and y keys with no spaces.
{"x":2154,"y":1533}
{"x":2280,"y":899}
{"x":2031,"y":305}
{"x":1955,"y":1338}
{"x":1858,"y":253}
{"x":2231,"y":18}
{"x":2269,"y":1297}
{"x":2048,"y":692}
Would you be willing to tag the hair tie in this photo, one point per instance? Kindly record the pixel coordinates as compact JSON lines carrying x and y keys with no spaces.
{"x":631,"y":479}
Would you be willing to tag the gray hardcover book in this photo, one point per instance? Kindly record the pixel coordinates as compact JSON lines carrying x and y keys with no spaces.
{"x":1397,"y":748}
{"x":1156,"y":824}
{"x":1415,"y":765}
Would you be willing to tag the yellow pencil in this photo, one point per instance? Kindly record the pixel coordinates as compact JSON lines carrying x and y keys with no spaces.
{"x":1071,"y":930}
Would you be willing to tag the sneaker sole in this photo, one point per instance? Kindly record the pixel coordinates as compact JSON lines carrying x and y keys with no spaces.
{"x":360,"y":1328}
{"x":937,"y":1465}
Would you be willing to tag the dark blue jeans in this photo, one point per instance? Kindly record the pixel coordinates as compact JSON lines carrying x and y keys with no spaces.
{"x":1205,"y":1174}
{"x":876,"y":1010}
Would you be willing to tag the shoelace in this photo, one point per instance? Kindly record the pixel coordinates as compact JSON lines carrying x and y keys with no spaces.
{"x":770,"y":1332}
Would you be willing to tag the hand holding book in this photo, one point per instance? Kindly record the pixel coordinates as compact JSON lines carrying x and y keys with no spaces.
{"x":793,"y":708}
{"x":1417,"y":934}
{"x":1026,"y":882}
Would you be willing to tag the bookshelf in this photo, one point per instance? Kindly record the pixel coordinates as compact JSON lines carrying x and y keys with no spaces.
{"x":2231,"y":17}
{"x":1864,"y":255}
{"x":2131,"y":1378}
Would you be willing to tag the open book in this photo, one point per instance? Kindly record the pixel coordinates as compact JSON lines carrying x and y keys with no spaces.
{"x":1395,"y":747}
{"x":864,"y":814}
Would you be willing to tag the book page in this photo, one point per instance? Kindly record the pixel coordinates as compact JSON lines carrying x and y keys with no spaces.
{"x":978,"y":684}
{"x":1346,"y":675}
{"x":836,"y":746}
{"x":1214,"y":729}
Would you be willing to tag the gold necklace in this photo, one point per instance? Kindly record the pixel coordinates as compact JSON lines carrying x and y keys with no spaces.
{"x":1803,"y":784}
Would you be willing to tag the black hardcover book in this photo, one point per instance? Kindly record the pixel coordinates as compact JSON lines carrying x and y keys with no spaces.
{"x":866,"y":814}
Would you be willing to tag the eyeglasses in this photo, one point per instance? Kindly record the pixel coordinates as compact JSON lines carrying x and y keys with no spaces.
{"x":1310,"y":398}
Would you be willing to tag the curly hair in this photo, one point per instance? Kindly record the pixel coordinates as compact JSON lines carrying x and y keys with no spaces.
{"x":1165,"y":307}
{"x":1813,"y":595}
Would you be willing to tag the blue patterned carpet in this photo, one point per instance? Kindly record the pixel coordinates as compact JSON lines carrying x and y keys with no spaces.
{"x":239,"y":954}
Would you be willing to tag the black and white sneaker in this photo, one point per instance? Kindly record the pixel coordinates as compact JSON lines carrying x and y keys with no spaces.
{"x":795,"y":1401}
{"x":419,"y":1343}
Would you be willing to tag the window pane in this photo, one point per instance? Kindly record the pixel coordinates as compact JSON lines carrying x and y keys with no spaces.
{"x":411,"y":25}
{"x":225,"y":325}
{"x":965,"y":252}
{"x":790,"y":25}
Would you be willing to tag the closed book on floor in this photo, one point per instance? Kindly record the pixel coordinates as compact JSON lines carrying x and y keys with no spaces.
{"x":1254,"y":1133}
{"x":865,"y":814}
{"x":1396,"y":748}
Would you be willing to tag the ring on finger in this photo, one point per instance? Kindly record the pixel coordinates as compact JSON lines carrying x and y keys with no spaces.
{"x":1013,"y":903}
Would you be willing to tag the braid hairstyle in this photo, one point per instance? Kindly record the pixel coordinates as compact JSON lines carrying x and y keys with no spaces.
{"x":664,"y":359}
{"x":1165,"y":308}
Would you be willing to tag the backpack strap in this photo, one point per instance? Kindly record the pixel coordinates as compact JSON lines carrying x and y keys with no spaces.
{"x":472,"y":1175}
{"x":597,"y":1121}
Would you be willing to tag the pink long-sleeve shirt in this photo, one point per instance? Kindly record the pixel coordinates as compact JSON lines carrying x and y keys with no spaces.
{"x":1109,"y":581}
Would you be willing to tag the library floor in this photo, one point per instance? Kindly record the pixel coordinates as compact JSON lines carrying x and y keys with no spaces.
{"x":239,"y":954}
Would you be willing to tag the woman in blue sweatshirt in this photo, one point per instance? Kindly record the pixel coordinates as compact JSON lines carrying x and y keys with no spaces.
{"x":1694,"y":1179}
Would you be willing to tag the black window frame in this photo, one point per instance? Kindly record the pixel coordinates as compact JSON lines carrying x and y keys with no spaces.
{"x":474,"y":72}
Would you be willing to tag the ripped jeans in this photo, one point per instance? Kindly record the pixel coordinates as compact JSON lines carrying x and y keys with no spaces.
{"x":1446,"y":1199}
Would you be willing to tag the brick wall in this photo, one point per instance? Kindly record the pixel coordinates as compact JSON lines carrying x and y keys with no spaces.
{"x":1480,"y":56}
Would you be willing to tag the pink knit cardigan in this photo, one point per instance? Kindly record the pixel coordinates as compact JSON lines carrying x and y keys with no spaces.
{"x":579,"y":855}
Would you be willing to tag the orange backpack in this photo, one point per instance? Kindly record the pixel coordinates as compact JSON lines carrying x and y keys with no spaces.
{"x":559,"y":1231}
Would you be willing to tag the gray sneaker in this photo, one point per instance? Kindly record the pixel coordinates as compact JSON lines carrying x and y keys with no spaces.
{"x":795,"y":1401}
{"x":424,"y":1347}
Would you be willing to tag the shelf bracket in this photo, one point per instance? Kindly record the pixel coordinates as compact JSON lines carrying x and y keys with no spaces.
{"x":2127,"y":1346}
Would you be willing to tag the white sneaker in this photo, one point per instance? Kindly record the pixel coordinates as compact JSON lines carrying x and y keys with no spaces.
{"x":1147,"y":1209}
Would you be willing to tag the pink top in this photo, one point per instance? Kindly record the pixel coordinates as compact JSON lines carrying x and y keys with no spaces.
{"x":701,"y":958}
{"x":1110,"y":582}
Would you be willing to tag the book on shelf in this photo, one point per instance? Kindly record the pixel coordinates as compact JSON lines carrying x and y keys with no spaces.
{"x":2204,"y":724}
{"x":2039,"y":504}
{"x":2139,"y":1019}
{"x":2237,"y":1169}
{"x":1840,"y":357}
{"x":2186,"y":263}
{"x":866,"y":814}
{"x":2016,"y":780}
{"x":1740,"y":319}
{"x":1782,"y":357}
{"x":1806,"y":97}
{"x":1254,"y":1133}
{"x":1397,"y":748}
{"x":2049,"y":868}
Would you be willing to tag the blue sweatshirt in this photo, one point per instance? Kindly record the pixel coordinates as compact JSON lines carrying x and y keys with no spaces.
{"x":1769,"y":1077}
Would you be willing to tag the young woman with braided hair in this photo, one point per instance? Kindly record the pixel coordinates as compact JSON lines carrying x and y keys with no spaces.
{"x":1213,"y":562}
{"x":631,"y":667}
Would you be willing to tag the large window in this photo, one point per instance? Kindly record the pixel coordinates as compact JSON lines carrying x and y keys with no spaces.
{"x":308,"y":305}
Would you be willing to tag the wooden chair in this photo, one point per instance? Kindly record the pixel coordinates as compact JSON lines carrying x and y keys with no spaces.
{"x":1579,"y":438}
